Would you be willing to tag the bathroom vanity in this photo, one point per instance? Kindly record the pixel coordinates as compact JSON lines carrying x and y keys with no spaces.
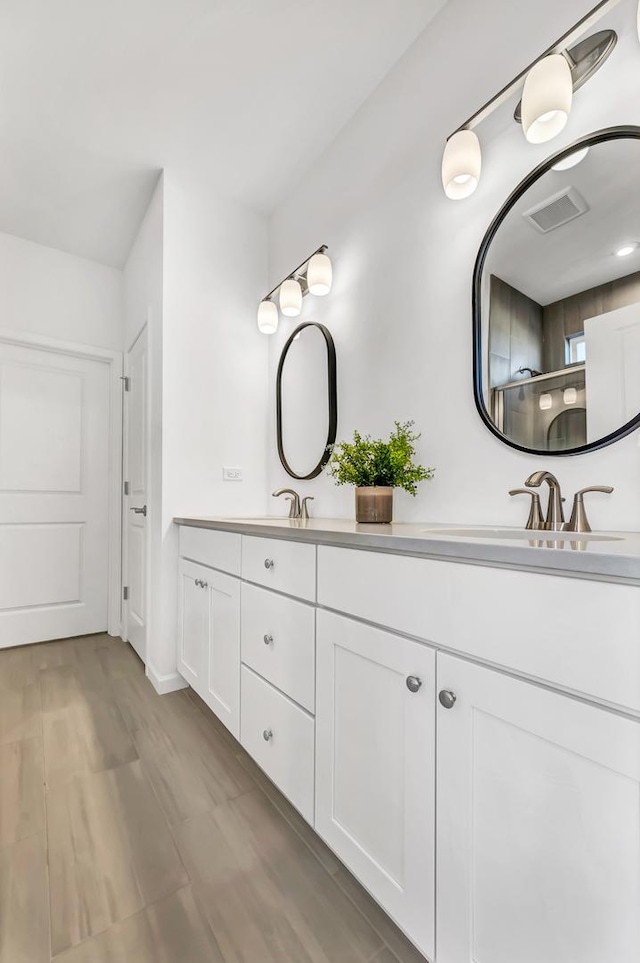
{"x":456,"y":713}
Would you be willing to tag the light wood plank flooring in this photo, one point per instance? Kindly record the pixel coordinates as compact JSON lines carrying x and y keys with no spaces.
{"x":134,"y":828}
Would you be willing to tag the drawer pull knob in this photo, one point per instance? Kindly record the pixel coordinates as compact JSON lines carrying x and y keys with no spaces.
{"x":413,"y":683}
{"x":267,"y":735}
{"x":268,"y":563}
{"x":447,"y":698}
{"x":268,"y":639}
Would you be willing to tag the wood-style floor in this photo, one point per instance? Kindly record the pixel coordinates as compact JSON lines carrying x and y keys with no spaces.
{"x":133,"y":828}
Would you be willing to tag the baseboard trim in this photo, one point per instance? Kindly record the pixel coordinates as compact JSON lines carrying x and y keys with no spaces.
{"x":165,"y":683}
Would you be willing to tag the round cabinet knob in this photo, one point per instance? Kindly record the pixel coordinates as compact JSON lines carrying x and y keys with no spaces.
{"x":268,"y":639}
{"x":267,"y":735}
{"x":447,"y":698}
{"x":413,"y":683}
{"x":268,"y":563}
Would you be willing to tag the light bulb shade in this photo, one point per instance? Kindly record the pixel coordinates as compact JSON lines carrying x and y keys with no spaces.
{"x":545,"y":402}
{"x":546,"y":99}
{"x":568,"y":162}
{"x":267,"y":317}
{"x":461,"y":164}
{"x":319,"y":274}
{"x":290,"y":298}
{"x":570,"y":396}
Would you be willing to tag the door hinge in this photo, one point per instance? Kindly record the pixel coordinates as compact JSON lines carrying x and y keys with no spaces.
{"x":125,"y":593}
{"x":126,"y":488}
{"x":126,"y":381}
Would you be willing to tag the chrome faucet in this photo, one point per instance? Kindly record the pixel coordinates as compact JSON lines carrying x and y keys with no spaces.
{"x":293,"y":499}
{"x":554,"y":519}
{"x":298,"y":507}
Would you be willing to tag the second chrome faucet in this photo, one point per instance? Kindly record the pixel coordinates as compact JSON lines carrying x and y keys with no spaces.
{"x":554,"y":519}
{"x":298,"y":508}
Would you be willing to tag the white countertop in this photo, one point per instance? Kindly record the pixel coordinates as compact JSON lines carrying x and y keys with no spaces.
{"x":612,"y":556}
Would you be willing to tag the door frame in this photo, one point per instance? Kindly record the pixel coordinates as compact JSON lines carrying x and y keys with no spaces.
{"x":114,"y":359}
{"x":145,"y":329}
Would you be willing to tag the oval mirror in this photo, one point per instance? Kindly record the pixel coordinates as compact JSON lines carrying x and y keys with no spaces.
{"x":556,"y":302}
{"x":306,"y":401}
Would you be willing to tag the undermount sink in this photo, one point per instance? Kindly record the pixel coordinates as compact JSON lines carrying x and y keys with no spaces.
{"x":522,"y":535}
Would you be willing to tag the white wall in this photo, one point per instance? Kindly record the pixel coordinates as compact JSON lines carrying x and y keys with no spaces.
{"x":214,"y":372}
{"x":48,"y":292}
{"x":400,"y":310}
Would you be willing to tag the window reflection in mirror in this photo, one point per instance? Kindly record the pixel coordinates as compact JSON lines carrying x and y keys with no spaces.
{"x":560,"y":305}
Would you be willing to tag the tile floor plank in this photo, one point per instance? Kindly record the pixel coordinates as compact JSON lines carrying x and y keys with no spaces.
{"x":169,"y":931}
{"x":21,"y":791}
{"x":110,"y":852}
{"x":20,"y":715}
{"x":24,"y":902}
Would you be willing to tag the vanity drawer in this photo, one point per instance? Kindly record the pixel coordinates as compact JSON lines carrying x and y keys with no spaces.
{"x":278,"y":642}
{"x":219,"y":550}
{"x":281,"y":738}
{"x":281,"y":565}
{"x":575,"y":633}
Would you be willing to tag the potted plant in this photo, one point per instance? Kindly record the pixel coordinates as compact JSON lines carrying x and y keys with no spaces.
{"x":376,"y":467}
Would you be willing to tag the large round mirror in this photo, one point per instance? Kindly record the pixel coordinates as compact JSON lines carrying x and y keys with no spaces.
{"x":306,"y":401}
{"x":557,"y":302}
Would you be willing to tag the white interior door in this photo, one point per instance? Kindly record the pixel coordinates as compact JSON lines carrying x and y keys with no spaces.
{"x":54,"y":494}
{"x":135,"y":498}
{"x":612,"y":370}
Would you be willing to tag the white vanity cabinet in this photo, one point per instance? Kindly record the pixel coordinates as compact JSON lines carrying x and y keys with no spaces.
{"x":209,"y":627}
{"x":375,"y":765}
{"x":465,"y":737}
{"x":538,"y":830}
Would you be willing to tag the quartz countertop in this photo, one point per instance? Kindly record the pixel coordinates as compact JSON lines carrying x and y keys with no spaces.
{"x":610,"y":556}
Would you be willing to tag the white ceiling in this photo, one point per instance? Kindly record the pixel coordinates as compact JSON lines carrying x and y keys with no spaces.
{"x":97,"y":96}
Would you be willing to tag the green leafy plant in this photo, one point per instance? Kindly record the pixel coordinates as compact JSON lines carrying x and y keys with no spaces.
{"x":368,"y":461}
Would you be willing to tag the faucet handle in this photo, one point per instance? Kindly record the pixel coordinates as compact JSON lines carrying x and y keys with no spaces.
{"x":578,"y":521}
{"x":304,"y":511}
{"x":536,"y":519}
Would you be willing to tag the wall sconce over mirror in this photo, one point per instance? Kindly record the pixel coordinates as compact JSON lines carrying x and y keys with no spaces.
{"x":306,"y":401}
{"x":548,"y":85}
{"x":313,"y":276}
{"x":556,"y":302}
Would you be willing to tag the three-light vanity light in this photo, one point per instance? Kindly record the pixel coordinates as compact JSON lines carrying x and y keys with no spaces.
{"x":547,"y":94}
{"x":313,"y":276}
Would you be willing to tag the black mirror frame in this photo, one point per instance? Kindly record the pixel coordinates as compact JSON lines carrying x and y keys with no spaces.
{"x":598,"y":137}
{"x":332,"y":400}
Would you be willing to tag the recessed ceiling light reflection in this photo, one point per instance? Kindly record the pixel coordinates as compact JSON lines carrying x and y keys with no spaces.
{"x":571,"y":161}
{"x":626,"y":250}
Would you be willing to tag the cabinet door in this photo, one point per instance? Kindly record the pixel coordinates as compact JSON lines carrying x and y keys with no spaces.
{"x":375,"y":748}
{"x":193,"y":623}
{"x":221,"y":689}
{"x":538,"y":834}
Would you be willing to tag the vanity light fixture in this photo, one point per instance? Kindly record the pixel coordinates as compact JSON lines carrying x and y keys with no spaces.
{"x":291,"y":298}
{"x":319,"y":274}
{"x":461,"y":164}
{"x":549,"y":83}
{"x":545,"y":401}
{"x":546,"y":99}
{"x":570,"y":396}
{"x":267,"y":317}
{"x":626,"y":249}
{"x":571,"y":161}
{"x":312,"y":276}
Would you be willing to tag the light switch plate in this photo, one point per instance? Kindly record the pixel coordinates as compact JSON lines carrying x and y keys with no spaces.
{"x":232,"y":474}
